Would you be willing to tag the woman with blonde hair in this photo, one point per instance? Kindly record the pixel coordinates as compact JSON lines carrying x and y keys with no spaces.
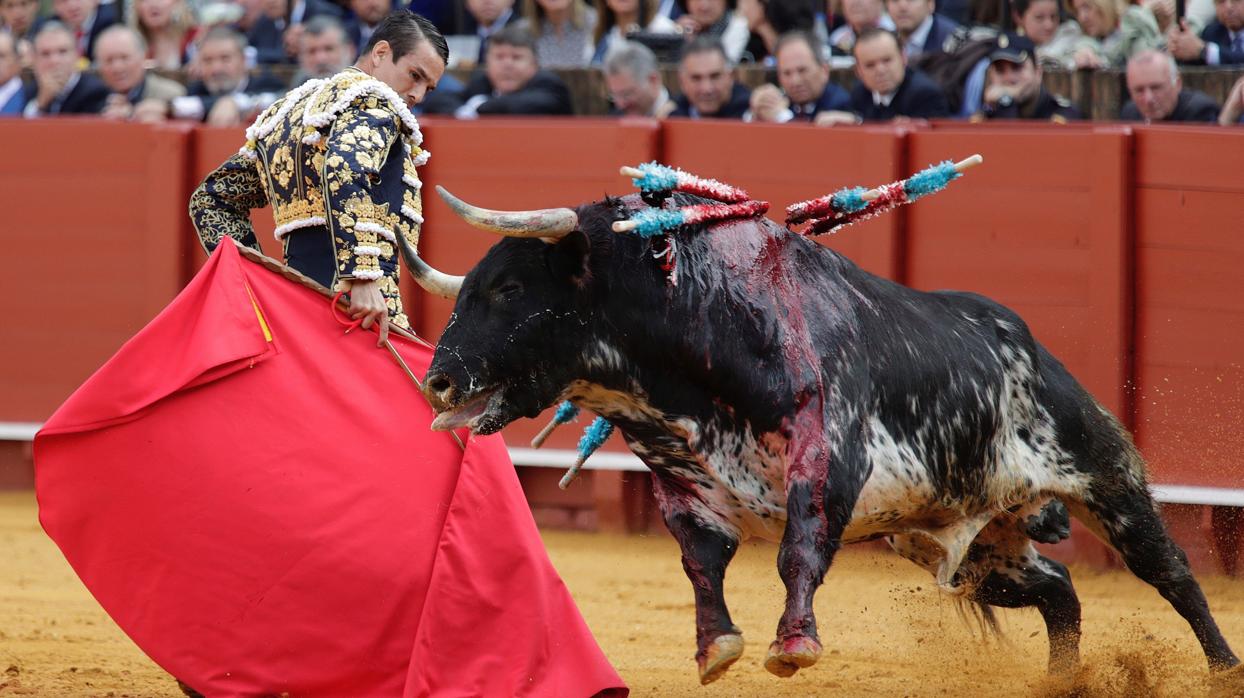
{"x":168,"y":26}
{"x":1104,"y":34}
{"x":617,"y":18}
{"x":563,"y":31}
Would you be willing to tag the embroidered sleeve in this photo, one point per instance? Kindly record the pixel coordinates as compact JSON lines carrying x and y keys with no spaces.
{"x":221,"y":206}
{"x":355,"y":152}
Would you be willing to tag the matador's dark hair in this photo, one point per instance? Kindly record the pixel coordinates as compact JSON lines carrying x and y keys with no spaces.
{"x":404,"y":30}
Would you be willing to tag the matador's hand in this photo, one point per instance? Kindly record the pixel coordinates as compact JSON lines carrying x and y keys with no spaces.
{"x":367,"y":304}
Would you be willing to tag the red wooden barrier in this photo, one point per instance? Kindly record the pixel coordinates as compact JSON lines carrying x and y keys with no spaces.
{"x":1190,"y":304}
{"x":93,"y":212}
{"x":1042,"y":227}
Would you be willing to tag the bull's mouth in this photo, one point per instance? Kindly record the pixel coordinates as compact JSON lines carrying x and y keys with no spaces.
{"x":482,"y":414}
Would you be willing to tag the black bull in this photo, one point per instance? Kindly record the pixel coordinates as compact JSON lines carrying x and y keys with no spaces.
{"x":776,"y":389}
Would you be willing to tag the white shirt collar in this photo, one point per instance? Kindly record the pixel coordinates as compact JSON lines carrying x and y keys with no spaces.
{"x":883,"y":100}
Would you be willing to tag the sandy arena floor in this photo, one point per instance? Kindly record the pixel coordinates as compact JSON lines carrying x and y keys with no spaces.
{"x":886,"y":631}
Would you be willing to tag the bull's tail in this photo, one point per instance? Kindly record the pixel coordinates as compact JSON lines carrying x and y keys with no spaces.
{"x":978,"y":617}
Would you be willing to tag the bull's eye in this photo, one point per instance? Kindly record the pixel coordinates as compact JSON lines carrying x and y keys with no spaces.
{"x":507,"y":290}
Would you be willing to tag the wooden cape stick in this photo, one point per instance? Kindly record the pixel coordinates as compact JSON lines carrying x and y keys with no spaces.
{"x":305,"y":281}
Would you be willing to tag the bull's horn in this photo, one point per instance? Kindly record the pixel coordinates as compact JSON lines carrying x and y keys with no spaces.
{"x":547,"y":224}
{"x":432,"y":281}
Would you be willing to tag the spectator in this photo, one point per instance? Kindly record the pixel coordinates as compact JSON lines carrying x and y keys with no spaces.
{"x":563,"y":31}
{"x":85,"y":19}
{"x":706,"y":78}
{"x":1013,"y":88}
{"x":303,"y":11}
{"x":633,"y":79}
{"x":12,"y":91}
{"x":1233,"y":110}
{"x":887,"y":90}
{"x":859,"y":15}
{"x":261,"y":24}
{"x":767,"y":20}
{"x":168,"y":29}
{"x":1104,"y":34}
{"x":1157,"y":92}
{"x":19,"y":17}
{"x":1222,"y":42}
{"x":512,"y":81}
{"x":135,"y":93}
{"x":60,"y":87}
{"x":367,"y":16}
{"x":617,"y":18}
{"x":226,"y":95}
{"x":713,"y":18}
{"x":323,"y":50}
{"x":918,"y":27}
{"x":807,"y":94}
{"x":1037,"y":20}
{"x":487,"y":17}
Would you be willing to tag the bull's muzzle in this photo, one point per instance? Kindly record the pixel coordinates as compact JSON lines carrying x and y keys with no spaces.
{"x":439,"y":389}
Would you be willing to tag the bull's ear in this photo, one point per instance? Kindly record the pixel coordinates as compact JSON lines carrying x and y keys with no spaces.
{"x":569,"y":257}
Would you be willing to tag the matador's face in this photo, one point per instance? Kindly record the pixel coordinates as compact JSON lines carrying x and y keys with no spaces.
{"x":413,"y":75}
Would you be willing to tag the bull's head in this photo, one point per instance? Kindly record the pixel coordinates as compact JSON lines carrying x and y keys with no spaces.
{"x":519,"y":314}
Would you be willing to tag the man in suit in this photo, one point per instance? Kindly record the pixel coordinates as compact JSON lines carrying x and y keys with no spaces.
{"x":367,"y":16}
{"x":920,"y":29}
{"x":226,"y":95}
{"x":12,"y":91}
{"x":807,"y":95}
{"x":323,"y":50}
{"x":135,"y":93}
{"x":60,"y":88}
{"x":1158,"y":95}
{"x":633,"y":78}
{"x":512,"y":82}
{"x":1221,"y":43}
{"x":86,"y":19}
{"x":887,"y":90}
{"x":706,"y":79}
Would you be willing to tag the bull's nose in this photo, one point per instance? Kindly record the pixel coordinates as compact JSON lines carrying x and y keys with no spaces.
{"x":439,"y":389}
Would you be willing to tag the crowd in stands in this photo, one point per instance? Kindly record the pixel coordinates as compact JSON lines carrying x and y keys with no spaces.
{"x":912,"y":59}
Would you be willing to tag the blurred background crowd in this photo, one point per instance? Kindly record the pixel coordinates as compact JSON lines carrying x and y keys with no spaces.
{"x":827,"y":62}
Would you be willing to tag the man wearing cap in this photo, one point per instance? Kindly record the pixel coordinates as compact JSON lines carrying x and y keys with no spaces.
{"x":1013,"y":88}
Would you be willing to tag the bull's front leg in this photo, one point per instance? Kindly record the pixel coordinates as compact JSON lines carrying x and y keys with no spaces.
{"x":706,"y":552}
{"x":822,"y":484}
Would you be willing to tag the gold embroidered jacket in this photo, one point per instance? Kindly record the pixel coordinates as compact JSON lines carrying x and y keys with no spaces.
{"x":336,"y":158}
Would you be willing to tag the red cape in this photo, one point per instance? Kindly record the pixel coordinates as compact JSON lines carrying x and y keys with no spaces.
{"x":257,"y":500}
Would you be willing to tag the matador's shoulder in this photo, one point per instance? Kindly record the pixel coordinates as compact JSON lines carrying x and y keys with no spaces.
{"x":313,"y":108}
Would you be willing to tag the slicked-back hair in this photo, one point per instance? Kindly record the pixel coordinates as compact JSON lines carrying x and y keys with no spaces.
{"x":50,"y":27}
{"x":872,"y":33}
{"x":800,"y":36}
{"x":404,"y":30}
{"x":705,"y":44}
{"x":634,"y":59}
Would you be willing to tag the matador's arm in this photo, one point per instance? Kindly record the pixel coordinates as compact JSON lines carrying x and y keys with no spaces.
{"x":221,"y":206}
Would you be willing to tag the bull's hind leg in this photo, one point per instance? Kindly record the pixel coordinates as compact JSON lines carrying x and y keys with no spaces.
{"x":705,"y":554}
{"x":1023,"y":578}
{"x":1126,"y":516}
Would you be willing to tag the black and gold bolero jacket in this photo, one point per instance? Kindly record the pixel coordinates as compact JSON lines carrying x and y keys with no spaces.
{"x":336,"y":158}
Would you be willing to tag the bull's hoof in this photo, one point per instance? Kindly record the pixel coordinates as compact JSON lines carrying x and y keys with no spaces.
{"x":792,"y":654}
{"x":723,"y":651}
